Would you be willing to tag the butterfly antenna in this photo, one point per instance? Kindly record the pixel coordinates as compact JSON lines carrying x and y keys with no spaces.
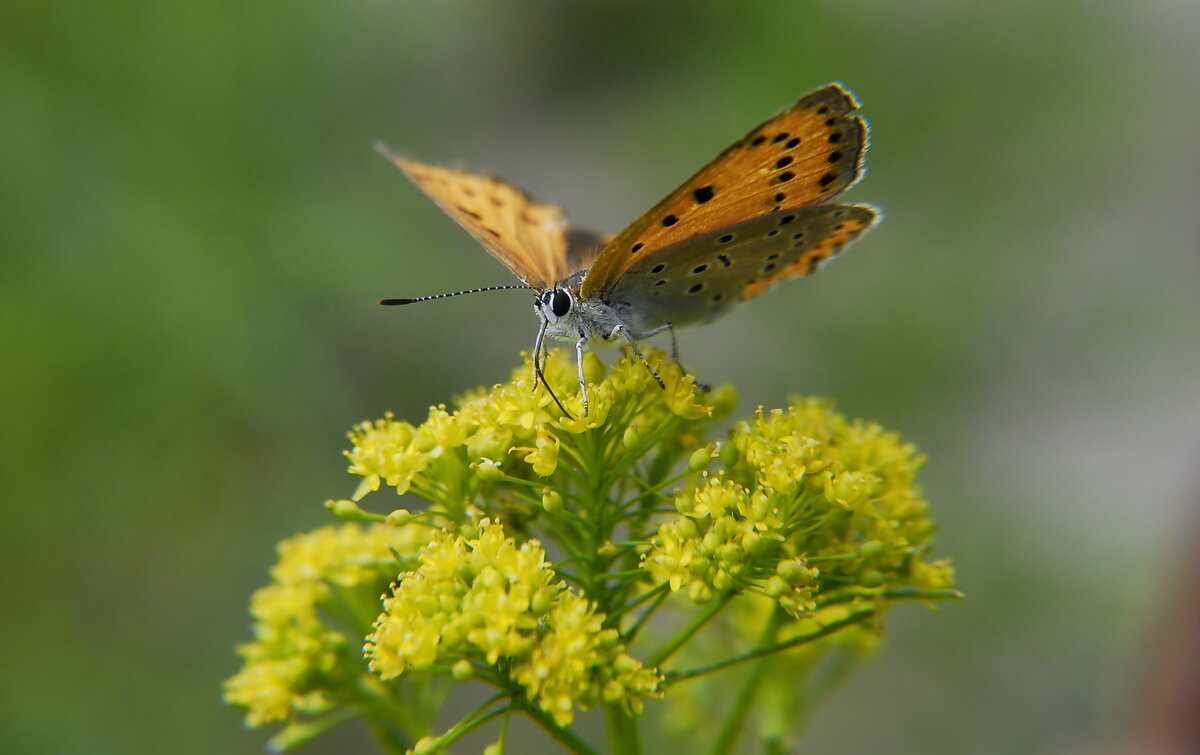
{"x":398,"y":302}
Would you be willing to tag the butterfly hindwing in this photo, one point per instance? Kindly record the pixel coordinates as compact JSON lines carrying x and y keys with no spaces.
{"x":698,"y":279}
{"x":528,"y":237}
{"x":805,"y":155}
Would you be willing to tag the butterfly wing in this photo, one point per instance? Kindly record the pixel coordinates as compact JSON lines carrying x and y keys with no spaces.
{"x":806,"y":154}
{"x":583,"y":247}
{"x":528,"y":237}
{"x":698,"y":279}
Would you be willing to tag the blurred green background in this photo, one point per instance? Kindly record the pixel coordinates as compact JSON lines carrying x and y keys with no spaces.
{"x":194,"y":231}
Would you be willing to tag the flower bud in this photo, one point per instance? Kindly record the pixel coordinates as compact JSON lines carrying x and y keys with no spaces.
{"x":794,"y":570}
{"x":426,"y":746}
{"x":347,"y":511}
{"x":593,"y":368}
{"x":462,"y":670}
{"x":871,"y":549}
{"x":623,"y":664}
{"x":542,"y":601}
{"x":552,"y":502}
{"x":730,"y":553}
{"x":699,"y":592}
{"x":613,"y":691}
{"x":871,"y":578}
{"x":700,"y":459}
{"x":724,"y":400}
{"x":488,"y":470}
{"x":755,"y":544}
{"x":776,"y":587}
{"x":729,"y":454}
{"x":723,"y":581}
{"x":452,"y":636}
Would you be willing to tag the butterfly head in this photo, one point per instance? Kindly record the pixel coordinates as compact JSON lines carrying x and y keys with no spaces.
{"x":554,"y":304}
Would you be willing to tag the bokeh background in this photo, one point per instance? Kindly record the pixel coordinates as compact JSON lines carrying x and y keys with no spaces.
{"x":194,"y":231}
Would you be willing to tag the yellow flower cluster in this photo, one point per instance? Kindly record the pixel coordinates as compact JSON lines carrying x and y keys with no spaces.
{"x":295,"y":659}
{"x":488,"y":601}
{"x":800,"y":488}
{"x":723,"y":530}
{"x":516,"y":429}
{"x":815,"y":517}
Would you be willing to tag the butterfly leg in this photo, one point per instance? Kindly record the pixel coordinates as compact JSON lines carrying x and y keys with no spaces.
{"x":674,"y":346}
{"x":674,"y":350}
{"x":632,"y":341}
{"x":655,"y":331}
{"x":537,"y":355}
{"x":539,"y":376}
{"x":579,"y":363}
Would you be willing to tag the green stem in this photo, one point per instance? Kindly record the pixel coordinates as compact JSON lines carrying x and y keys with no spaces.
{"x":898,"y":593}
{"x":735,"y":721}
{"x":828,"y":629}
{"x":663,"y":592}
{"x":622,"y":731}
{"x":683,"y":635}
{"x":650,"y":440}
{"x":560,"y":734}
{"x":380,"y":706}
{"x":300,"y":733}
{"x":474,"y":720}
{"x":649,"y":491}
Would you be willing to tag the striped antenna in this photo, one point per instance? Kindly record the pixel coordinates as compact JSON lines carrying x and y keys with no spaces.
{"x":398,"y":302}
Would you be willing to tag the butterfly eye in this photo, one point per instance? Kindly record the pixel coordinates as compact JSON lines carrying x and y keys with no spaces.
{"x":560,"y":304}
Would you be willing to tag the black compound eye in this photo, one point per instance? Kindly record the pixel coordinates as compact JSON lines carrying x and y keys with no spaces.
{"x":560,"y":303}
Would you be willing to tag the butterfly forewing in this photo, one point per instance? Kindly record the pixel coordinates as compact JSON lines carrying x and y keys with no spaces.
{"x":528,"y":237}
{"x":698,"y":279}
{"x":805,"y":155}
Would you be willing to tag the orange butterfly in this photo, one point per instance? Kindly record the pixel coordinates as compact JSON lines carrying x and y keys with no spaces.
{"x":755,"y":215}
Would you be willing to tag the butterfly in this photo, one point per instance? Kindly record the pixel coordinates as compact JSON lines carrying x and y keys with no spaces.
{"x":758,"y":213}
